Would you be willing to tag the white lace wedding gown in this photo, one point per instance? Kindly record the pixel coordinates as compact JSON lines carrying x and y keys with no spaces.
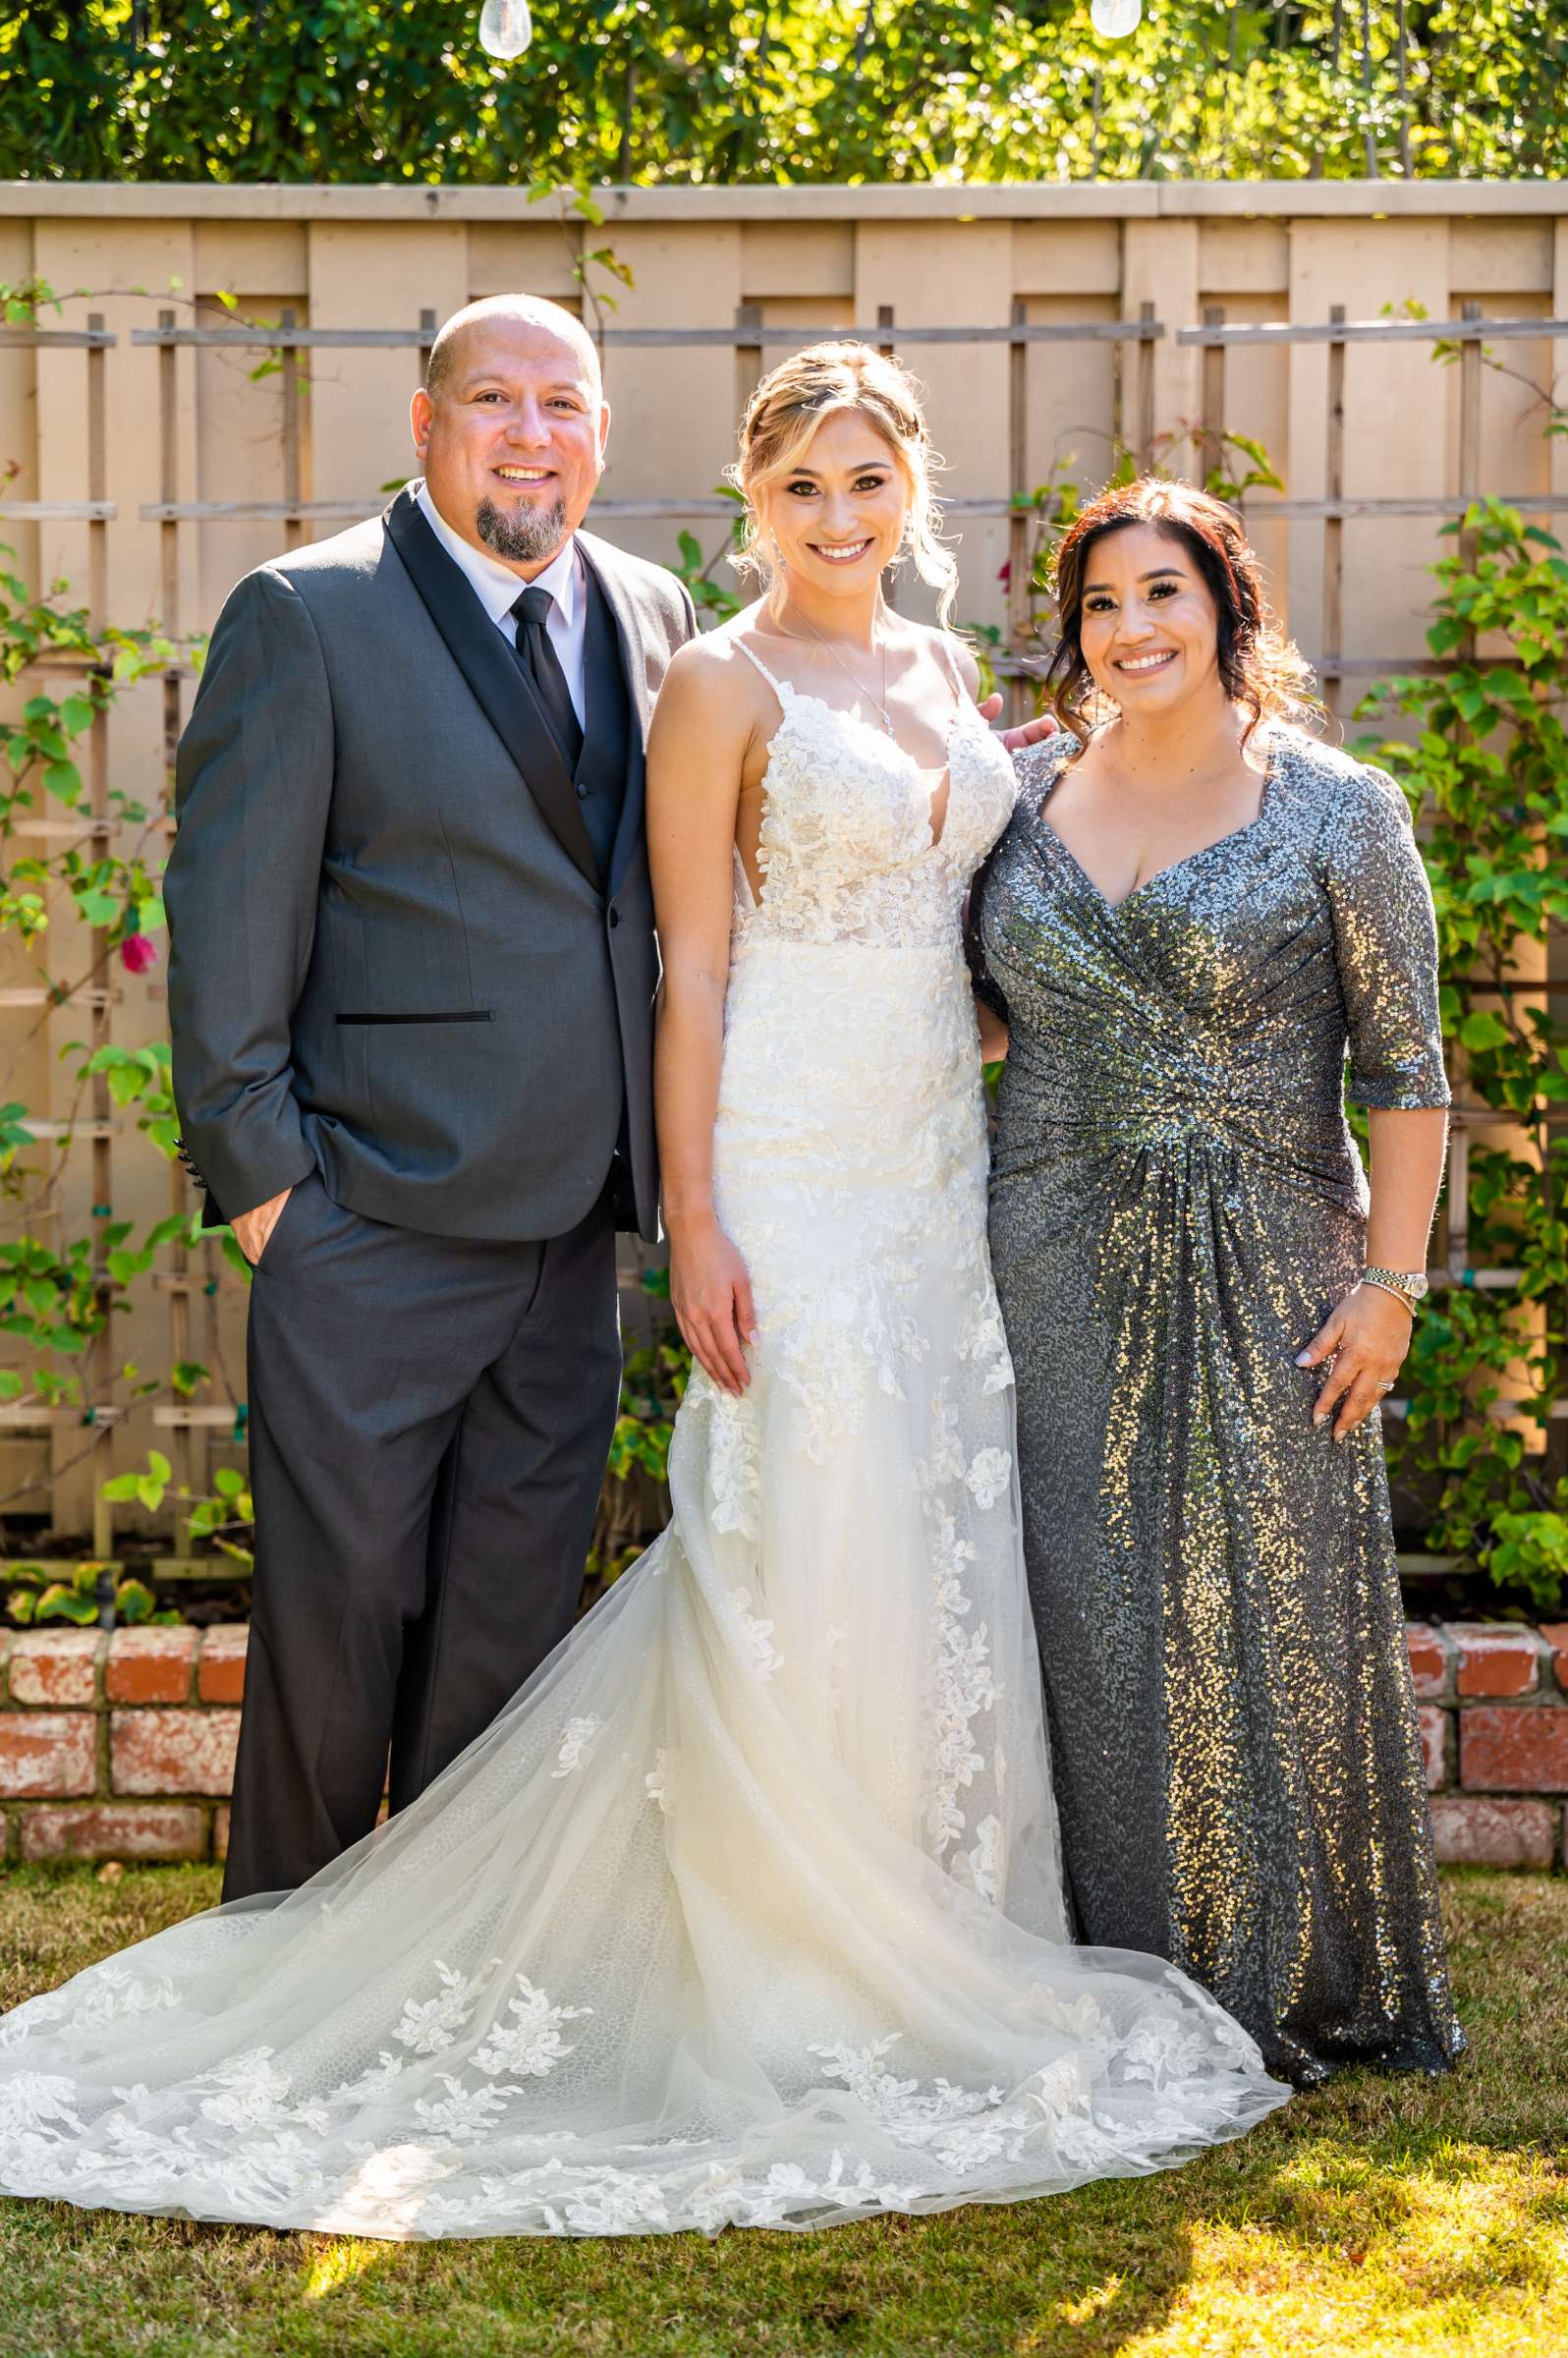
{"x":748,"y":1908}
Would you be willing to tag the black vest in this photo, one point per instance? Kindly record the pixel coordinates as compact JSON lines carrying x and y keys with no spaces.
{"x":600,"y":774}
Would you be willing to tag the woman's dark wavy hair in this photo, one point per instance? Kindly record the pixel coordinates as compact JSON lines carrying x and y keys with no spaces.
{"x":1258,"y":666}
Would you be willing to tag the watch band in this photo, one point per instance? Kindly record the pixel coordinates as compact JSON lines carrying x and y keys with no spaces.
{"x":1406,"y":1285}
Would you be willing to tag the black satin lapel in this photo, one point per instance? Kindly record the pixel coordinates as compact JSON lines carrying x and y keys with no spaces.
{"x":501,"y":688}
{"x":634,"y":664}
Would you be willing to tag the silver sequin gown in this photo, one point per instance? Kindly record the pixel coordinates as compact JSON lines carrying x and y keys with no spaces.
{"x":1177,"y":1204}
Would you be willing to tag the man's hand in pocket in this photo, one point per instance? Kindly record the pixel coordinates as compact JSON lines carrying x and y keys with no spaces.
{"x":253,"y":1228}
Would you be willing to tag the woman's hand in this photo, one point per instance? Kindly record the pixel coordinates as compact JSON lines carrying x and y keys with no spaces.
{"x":1367,"y":1337}
{"x":711,"y":1293}
{"x":1018,"y":740}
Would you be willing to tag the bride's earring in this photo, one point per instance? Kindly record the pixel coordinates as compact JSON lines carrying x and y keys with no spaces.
{"x":778,"y":553}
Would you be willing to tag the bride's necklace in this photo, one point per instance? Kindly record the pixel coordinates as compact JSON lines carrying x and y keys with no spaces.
{"x":879,"y":701}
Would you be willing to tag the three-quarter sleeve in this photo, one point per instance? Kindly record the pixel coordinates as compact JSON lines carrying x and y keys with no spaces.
{"x":986,"y":987}
{"x":1385,"y":940}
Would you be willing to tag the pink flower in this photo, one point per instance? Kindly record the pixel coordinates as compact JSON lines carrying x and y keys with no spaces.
{"x":137,"y":954}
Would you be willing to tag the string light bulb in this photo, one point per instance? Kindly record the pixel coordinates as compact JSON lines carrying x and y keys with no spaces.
{"x":505,"y":28}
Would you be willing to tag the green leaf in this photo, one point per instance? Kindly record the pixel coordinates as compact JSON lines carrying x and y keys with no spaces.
{"x":63,"y":780}
{"x":1483,"y":1030}
{"x":61,"y":1604}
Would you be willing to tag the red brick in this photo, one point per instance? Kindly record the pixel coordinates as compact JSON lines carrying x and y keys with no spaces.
{"x":1555,"y":1634}
{"x":1472,"y":1832}
{"x":220,"y":1831}
{"x":151,"y":1665}
{"x":49,"y":1755}
{"x":57,"y":1667}
{"x":115,"y":1829}
{"x":1435,"y":1744}
{"x":173,"y":1752}
{"x":1524,"y":1750}
{"x":1432,"y":1659}
{"x":1497,"y":1657}
{"x":220,"y":1675}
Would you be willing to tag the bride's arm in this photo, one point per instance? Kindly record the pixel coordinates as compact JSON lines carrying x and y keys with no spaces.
{"x":988,"y":1014}
{"x":696,"y":747}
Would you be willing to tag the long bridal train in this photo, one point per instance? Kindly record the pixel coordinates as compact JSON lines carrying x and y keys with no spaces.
{"x":747,"y":1909}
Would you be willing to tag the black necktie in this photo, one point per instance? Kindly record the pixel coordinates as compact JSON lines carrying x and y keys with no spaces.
{"x":543,"y":664}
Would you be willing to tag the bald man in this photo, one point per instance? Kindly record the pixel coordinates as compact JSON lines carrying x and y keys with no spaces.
{"x":410,"y":990}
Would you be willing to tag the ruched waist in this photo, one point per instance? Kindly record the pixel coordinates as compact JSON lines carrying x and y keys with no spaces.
{"x":1309,"y":1145}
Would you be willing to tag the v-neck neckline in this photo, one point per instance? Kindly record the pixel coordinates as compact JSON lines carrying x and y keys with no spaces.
{"x":1173,"y":867}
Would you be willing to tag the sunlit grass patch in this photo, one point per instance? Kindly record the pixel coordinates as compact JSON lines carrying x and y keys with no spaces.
{"x":341,"y":2261}
{"x":1384,"y":2216}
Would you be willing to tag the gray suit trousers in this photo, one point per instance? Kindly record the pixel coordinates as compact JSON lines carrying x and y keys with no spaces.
{"x":429,"y":1418}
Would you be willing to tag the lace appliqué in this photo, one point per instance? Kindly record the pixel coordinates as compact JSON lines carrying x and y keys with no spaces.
{"x":577,"y":1745}
{"x":962,"y":1684}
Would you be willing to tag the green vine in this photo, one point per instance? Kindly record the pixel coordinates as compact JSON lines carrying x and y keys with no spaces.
{"x":1487,"y":779}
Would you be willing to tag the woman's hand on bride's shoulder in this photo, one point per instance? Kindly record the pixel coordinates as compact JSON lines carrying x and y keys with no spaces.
{"x":1032,"y":732}
{"x":711,"y":1293}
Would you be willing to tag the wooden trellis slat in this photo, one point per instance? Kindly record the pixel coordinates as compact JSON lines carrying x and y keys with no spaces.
{"x":39,"y":1417}
{"x":102,"y":1128}
{"x":38,"y":995}
{"x":1259,"y":508}
{"x":744,"y":334}
{"x":57,"y":339}
{"x":1468,"y":328}
{"x":58,"y":511}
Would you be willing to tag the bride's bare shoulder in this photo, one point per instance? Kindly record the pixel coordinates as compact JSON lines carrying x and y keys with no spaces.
{"x":715,"y":669}
{"x":953,"y":655}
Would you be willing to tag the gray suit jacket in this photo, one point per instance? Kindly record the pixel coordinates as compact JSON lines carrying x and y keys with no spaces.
{"x":391,"y":954}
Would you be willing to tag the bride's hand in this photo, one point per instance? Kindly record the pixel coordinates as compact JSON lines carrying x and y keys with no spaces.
{"x":711,"y":1293}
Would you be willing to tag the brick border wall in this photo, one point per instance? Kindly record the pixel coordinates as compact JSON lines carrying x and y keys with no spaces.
{"x":118,"y":1746}
{"x":122,"y":1746}
{"x":1493,"y":1704}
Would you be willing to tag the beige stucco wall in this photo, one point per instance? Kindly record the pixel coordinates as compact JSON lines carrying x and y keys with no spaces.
{"x":807,"y":257}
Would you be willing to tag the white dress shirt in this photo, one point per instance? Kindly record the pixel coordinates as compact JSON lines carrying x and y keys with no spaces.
{"x":498,"y":589}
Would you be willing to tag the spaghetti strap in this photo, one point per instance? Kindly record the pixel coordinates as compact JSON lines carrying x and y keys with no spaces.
{"x":781,"y":688}
{"x":945,"y":642}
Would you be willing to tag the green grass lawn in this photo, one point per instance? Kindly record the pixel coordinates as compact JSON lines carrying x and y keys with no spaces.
{"x":1381,"y":2216}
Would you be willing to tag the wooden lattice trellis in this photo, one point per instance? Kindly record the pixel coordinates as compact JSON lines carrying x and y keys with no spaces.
{"x":191,"y":1430}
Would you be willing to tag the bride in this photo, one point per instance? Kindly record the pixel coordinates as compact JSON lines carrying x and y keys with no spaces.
{"x":748,"y":1908}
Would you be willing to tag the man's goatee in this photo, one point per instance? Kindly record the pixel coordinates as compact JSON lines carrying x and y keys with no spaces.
{"x":525,"y":536}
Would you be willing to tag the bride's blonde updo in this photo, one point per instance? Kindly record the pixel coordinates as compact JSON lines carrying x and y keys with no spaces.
{"x":785,"y":412}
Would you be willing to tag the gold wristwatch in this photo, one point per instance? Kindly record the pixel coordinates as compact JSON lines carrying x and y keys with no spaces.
{"x":1408,"y":1286}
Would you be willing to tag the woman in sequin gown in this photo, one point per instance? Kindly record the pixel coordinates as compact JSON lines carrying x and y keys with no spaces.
{"x":1177,"y":1209}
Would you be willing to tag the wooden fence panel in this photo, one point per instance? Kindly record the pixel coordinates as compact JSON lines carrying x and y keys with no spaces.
{"x":191,"y":424}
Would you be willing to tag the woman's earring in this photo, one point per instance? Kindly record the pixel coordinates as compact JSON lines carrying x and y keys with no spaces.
{"x":778,"y":553}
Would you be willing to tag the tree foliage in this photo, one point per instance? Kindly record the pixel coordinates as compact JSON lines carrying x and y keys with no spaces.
{"x":357,"y":90}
